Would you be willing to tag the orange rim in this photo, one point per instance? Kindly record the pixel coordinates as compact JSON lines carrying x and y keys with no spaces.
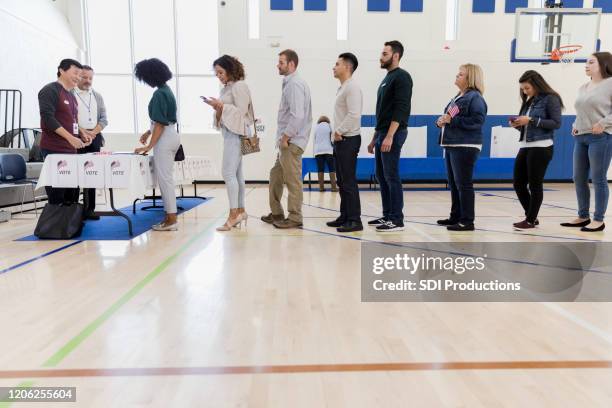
{"x":558,"y":53}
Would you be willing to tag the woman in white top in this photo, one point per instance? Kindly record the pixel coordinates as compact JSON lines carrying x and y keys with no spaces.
{"x":233,"y":114}
{"x":592,"y":133}
{"x":323,"y":152}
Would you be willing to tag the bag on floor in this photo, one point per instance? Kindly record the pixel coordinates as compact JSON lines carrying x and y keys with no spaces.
{"x":60,"y":221}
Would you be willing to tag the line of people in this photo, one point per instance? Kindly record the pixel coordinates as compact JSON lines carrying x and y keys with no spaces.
{"x":72,"y":122}
{"x":461,"y":137}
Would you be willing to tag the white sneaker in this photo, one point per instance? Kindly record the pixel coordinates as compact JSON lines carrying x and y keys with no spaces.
{"x":165,"y":227}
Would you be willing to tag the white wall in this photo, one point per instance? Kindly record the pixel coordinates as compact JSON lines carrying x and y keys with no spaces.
{"x":35,"y":35}
{"x":483,"y":39}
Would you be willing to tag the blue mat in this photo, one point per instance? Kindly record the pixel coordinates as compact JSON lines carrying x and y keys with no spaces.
{"x":116,"y":228}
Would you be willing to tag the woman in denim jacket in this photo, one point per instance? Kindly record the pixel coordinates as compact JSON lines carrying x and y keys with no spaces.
{"x":461,"y":137}
{"x":540,"y":116}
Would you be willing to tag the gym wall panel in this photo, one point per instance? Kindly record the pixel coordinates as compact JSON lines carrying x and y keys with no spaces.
{"x":411,"y":6}
{"x":483,"y":6}
{"x":573,"y":3}
{"x":281,"y":4}
{"x":378,"y":5}
{"x":512,"y":5}
{"x":605,"y":5}
{"x":315,"y":5}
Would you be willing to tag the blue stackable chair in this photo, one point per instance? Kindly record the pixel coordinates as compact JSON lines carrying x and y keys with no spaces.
{"x":13,"y":171}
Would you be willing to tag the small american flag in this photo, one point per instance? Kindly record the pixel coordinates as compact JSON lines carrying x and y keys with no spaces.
{"x":453,"y":110}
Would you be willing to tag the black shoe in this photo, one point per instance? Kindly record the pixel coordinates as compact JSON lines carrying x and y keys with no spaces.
{"x":350,"y":226}
{"x":580,"y":224}
{"x":446,"y":221}
{"x":92,"y":217}
{"x":338,"y":222}
{"x":390,"y":226}
{"x":600,"y":228}
{"x":461,"y":227}
{"x":378,"y":221}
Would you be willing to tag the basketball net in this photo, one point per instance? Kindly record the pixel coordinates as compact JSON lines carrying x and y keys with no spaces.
{"x":566,"y":54}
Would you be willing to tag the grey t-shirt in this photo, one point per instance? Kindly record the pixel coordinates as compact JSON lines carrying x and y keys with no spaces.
{"x":594,"y":106}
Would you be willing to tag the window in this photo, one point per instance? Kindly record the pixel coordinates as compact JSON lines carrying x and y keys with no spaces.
{"x":452,"y":19}
{"x":121,"y":33}
{"x":343,"y":20}
{"x":253,"y":19}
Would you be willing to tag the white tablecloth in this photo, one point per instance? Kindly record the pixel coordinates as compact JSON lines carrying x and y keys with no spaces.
{"x":118,"y":171}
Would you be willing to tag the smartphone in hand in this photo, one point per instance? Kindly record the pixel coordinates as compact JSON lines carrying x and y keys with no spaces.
{"x":205,"y":99}
{"x":513,"y":118}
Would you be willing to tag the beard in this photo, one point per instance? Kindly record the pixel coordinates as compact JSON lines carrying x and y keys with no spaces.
{"x":386,"y":64}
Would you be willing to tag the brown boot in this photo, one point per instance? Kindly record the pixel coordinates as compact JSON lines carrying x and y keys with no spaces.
{"x":321,"y":181}
{"x":287,"y":224}
{"x":332,"y":178}
{"x":272,"y":218}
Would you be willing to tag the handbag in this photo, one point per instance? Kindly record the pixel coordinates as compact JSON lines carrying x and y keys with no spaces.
{"x":60,"y":221}
{"x":180,"y":154}
{"x":250,"y":145}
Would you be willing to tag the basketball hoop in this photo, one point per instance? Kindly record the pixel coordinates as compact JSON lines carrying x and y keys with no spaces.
{"x":565,"y":53}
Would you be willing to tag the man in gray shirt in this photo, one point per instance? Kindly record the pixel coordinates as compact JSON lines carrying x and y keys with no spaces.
{"x":294,"y":123}
{"x":347,"y":142}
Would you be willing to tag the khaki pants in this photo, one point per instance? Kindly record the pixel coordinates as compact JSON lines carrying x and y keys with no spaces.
{"x":287,"y":170}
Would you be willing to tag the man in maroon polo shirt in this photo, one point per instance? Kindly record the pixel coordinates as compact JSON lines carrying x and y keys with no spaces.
{"x":59,"y":123}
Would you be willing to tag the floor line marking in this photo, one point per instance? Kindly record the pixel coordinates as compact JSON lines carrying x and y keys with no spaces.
{"x":309,"y":368}
{"x":77,"y":340}
{"x":36,"y":258}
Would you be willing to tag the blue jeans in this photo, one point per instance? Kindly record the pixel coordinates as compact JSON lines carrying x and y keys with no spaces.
{"x":460,"y":163}
{"x":387,"y":174}
{"x":592,"y":152}
{"x":232,"y":168}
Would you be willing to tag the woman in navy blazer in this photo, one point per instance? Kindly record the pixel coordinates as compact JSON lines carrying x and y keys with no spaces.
{"x":461,"y":137}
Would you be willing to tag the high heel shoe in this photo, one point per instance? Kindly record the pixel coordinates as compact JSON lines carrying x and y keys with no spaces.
{"x":243,"y":217}
{"x":230,"y":223}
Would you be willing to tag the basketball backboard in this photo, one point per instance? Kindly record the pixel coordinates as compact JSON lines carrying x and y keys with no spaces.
{"x":538,"y":31}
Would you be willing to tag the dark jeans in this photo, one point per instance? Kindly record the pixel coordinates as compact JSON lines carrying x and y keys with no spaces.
{"x":345,"y":154}
{"x":89,"y":194}
{"x":529,"y":169}
{"x":460,"y":163}
{"x":592,"y":153}
{"x":387,"y":174}
{"x":60,"y":195}
{"x":323,"y":159}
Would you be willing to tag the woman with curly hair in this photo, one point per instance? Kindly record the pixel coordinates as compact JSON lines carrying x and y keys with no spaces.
{"x":233,"y":115}
{"x":164,"y":139}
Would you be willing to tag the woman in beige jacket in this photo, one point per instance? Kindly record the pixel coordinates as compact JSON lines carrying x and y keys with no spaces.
{"x":233,"y":116}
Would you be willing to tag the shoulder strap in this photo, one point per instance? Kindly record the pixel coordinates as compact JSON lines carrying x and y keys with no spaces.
{"x":253,"y":116}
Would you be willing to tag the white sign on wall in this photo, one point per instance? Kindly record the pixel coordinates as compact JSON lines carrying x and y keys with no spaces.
{"x":504,"y":142}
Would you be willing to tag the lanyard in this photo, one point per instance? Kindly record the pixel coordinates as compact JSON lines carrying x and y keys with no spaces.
{"x":87,"y":105}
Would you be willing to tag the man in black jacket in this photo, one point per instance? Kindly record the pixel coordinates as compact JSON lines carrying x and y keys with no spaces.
{"x":392,"y":112}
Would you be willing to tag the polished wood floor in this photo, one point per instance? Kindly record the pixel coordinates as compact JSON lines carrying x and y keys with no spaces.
{"x":260,"y":317}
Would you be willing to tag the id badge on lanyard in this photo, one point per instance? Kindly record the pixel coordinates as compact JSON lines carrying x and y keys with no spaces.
{"x":75,"y":129}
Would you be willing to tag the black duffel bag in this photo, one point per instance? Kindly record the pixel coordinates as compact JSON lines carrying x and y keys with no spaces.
{"x":60,"y":221}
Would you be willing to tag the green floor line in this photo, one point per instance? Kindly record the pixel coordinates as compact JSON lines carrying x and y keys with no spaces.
{"x":69,"y":347}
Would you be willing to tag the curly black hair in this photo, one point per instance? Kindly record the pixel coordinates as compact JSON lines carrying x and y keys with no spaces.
{"x":152,"y":72}
{"x":231,"y":65}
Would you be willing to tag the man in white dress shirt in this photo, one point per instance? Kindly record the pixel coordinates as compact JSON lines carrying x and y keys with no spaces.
{"x":92,"y":120}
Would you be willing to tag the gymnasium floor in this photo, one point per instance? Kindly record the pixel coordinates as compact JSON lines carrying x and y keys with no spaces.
{"x":260,"y":317}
